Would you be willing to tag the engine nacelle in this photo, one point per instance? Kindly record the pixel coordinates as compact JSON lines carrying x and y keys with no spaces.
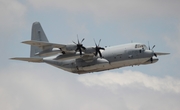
{"x":89,"y":50}
{"x":154,"y":60}
{"x":71,"y":47}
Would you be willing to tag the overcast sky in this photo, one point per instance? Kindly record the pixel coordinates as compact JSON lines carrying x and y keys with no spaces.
{"x":31,"y":86}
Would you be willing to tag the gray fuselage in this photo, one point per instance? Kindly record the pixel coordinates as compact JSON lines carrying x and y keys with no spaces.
{"x":113,"y":57}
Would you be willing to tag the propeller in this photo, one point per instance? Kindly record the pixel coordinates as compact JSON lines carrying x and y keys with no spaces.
{"x":98,"y":48}
{"x":79,"y":45}
{"x":153,"y":51}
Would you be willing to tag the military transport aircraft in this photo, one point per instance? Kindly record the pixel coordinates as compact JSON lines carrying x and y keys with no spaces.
{"x":79,"y":59}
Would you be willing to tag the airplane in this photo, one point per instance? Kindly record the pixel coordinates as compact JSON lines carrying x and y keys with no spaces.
{"x":78,"y":59}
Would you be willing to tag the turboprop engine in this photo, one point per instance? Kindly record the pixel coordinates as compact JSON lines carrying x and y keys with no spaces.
{"x":71,"y":47}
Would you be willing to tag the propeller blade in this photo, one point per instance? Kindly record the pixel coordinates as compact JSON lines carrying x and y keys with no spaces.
{"x":101,"y":48}
{"x":95,"y":53}
{"x":78,"y":39}
{"x":100,"y":54}
{"x":77,"y":49}
{"x":97,"y":48}
{"x":149,"y":45}
{"x":151,"y":59}
{"x":153,"y":47}
{"x":74,"y":42}
{"x":155,"y":55}
{"x":99,"y":42}
{"x":83,"y":47}
{"x":82,"y":40}
{"x":95,"y":43}
{"x":79,"y":46}
{"x":80,"y":51}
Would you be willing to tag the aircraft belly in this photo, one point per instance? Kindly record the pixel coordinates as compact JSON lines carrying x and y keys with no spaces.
{"x":119,"y":64}
{"x":112,"y":65}
{"x":95,"y":67}
{"x":73,"y":66}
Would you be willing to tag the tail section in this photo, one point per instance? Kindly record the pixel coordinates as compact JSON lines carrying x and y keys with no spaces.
{"x":37,"y":34}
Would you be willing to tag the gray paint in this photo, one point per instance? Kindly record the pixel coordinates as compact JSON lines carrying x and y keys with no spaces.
{"x":69,"y":60}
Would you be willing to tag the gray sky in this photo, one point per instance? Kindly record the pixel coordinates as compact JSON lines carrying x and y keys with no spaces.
{"x":30,"y":86}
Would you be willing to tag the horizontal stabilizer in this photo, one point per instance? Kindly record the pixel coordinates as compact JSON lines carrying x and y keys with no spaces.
{"x":160,"y":53}
{"x":43,"y":44}
{"x":28,"y":59}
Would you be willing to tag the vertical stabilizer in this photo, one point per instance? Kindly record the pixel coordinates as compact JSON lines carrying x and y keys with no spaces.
{"x":38,"y":35}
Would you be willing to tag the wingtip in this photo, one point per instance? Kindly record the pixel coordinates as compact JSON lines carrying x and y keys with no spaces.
{"x":160,"y":53}
{"x":23,"y":41}
{"x":28,"y":59}
{"x":26,"y":42}
{"x":12,"y":58}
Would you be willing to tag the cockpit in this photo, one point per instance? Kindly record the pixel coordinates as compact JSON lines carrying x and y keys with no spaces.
{"x":142,"y":46}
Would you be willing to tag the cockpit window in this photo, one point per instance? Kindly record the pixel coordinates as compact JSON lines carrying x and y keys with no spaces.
{"x":145,"y":47}
{"x":140,"y":46}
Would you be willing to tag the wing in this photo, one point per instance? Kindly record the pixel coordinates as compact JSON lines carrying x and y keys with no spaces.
{"x":43,"y":44}
{"x":68,"y":55}
{"x":88,"y":55}
{"x":28,"y":59}
{"x":160,"y":53}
